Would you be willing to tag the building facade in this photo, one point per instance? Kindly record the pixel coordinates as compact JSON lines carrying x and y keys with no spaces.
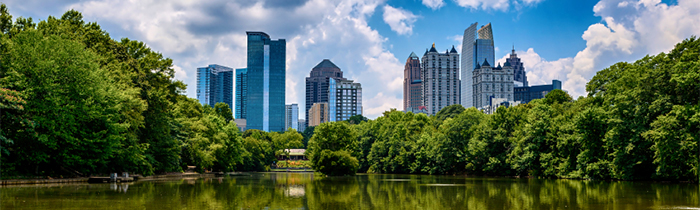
{"x":490,"y":82}
{"x":529,"y":93}
{"x":519,"y":77}
{"x":345,"y":99}
{"x":475,"y":49}
{"x":412,"y":95}
{"x":241,"y":93}
{"x":291,"y":116}
{"x":318,"y":81}
{"x":266,"y":72}
{"x":302,"y":125}
{"x":318,"y":114}
{"x":215,"y":84}
{"x":440,"y":85}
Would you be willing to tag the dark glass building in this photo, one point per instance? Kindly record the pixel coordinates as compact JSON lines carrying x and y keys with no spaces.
{"x":317,"y":84}
{"x":215,"y":84}
{"x":519,"y":76}
{"x":241,"y":93}
{"x":266,"y":73}
{"x":527,"y":94}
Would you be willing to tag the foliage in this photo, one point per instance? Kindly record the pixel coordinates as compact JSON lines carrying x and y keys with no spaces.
{"x":330,"y":149}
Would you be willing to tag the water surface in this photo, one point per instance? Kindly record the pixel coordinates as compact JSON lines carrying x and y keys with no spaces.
{"x":306,"y":191}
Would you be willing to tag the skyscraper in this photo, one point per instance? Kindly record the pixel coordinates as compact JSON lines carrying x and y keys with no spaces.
{"x":474,"y":50}
{"x":215,"y":84}
{"x":412,"y":96}
{"x":291,"y":116}
{"x":526,"y":94}
{"x":317,"y":84}
{"x":241,"y":93}
{"x":519,"y":77}
{"x":345,"y":99}
{"x":266,"y":82}
{"x":440,"y":85}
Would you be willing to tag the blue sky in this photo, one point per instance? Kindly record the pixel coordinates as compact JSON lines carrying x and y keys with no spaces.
{"x":371,"y":39}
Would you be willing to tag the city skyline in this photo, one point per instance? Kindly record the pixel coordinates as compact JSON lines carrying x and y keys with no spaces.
{"x":377,"y":35}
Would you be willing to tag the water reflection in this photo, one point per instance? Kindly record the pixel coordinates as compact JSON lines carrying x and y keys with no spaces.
{"x":306,"y":191}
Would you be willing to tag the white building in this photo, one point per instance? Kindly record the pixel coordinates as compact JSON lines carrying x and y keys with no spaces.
{"x":440,"y":79}
{"x":490,"y":82}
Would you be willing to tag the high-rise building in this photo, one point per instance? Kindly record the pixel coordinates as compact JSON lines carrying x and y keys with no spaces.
{"x":241,"y":93}
{"x":317,"y":83}
{"x":291,"y":116}
{"x":266,"y":72}
{"x":215,"y":84}
{"x":474,"y":50}
{"x":526,"y":94}
{"x":412,"y":95}
{"x":440,"y":85}
{"x":318,"y":114}
{"x":345,"y":99}
{"x":302,"y":125}
{"x":519,"y":77}
{"x":490,"y":82}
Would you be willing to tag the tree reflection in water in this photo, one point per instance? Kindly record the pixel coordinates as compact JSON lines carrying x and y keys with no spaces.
{"x":306,"y":191}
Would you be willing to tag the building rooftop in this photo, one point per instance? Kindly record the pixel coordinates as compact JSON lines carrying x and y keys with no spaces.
{"x":453,"y":49}
{"x":413,"y":55}
{"x":326,"y":64}
{"x":432,"y":49}
{"x":486,"y":63}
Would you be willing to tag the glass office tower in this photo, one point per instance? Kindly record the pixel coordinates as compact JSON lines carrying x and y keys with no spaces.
{"x":241,"y":93}
{"x":215,"y":84}
{"x":291,"y":116}
{"x":266,"y":82}
{"x":475,"y":49}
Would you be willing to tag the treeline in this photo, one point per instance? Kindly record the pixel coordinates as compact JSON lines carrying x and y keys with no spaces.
{"x":75,"y":102}
{"x":639,"y":121}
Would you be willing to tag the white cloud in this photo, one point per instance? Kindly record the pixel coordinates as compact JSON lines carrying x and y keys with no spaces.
{"x":434,"y":4}
{"x":196,"y":34}
{"x":502,"y":5}
{"x":401,"y":21}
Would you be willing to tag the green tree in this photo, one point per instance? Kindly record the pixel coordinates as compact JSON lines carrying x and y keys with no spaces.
{"x":331,"y":147}
{"x":224,"y":111}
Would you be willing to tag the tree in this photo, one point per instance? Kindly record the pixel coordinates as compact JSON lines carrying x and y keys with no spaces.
{"x":331,"y":147}
{"x":291,"y":139}
{"x":224,"y":111}
{"x":356,"y":119}
{"x":557,"y":96}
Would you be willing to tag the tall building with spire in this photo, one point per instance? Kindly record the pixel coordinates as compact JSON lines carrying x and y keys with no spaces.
{"x":475,"y":49}
{"x":412,"y":95}
{"x":440,"y":84}
{"x":266,"y":73}
{"x":519,"y":77}
{"x":318,"y":82}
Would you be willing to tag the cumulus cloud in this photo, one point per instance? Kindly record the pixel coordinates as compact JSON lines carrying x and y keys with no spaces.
{"x":196,"y":34}
{"x":629,"y":30}
{"x":502,"y":5}
{"x":400,"y":20}
{"x":434,"y":4}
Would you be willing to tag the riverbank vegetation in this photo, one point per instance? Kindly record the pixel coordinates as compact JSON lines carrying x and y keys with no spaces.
{"x":639,"y":121}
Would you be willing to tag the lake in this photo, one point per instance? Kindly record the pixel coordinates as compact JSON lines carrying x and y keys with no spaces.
{"x":364,"y":191}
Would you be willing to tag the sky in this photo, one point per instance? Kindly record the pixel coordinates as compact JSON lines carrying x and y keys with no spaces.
{"x":370,"y":40}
